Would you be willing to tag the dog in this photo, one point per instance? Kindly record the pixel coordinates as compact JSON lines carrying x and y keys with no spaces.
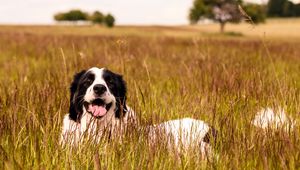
{"x":97,"y":104}
{"x":98,"y":107}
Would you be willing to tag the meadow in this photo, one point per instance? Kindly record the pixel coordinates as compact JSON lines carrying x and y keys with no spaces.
{"x":171,"y":72}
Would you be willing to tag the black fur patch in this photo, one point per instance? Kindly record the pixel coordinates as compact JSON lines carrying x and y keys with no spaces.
{"x":212,"y":132}
{"x":117,"y":87}
{"x":75,"y":109}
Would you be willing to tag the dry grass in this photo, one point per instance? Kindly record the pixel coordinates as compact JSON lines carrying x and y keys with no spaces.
{"x":274,"y":28}
{"x":222,"y":80}
{"x":282,"y":29}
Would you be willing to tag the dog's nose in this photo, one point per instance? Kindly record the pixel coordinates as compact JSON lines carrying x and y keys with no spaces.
{"x":99,"y":89}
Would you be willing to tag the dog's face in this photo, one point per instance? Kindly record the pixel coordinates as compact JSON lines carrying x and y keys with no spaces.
{"x":98,"y":92}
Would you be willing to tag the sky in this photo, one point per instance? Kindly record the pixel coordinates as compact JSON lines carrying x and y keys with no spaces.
{"x":169,"y":12}
{"x":126,"y":12}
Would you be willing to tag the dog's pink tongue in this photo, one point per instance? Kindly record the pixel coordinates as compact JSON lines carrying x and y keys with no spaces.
{"x":97,"y":110}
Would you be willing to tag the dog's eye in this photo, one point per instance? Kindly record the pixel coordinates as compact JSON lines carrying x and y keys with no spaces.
{"x":109,"y":80}
{"x":88,"y":82}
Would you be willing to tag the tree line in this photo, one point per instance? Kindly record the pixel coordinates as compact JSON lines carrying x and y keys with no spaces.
{"x":235,"y":11}
{"x":283,"y":8}
{"x":76,"y":15}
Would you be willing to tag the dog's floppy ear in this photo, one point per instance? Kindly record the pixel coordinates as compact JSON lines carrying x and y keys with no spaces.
{"x":121,"y":98}
{"x":73,"y":111}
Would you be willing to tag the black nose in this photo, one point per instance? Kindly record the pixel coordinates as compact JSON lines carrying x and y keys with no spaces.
{"x":99,"y":89}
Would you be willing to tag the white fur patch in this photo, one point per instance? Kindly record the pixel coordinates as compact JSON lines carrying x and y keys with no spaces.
{"x":91,"y":128}
{"x":71,"y":131}
{"x":182,"y":135}
{"x":267,"y":118}
{"x":90,"y":95}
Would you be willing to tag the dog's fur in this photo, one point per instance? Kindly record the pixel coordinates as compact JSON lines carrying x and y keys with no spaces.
{"x":182,"y":135}
{"x":269,"y":119}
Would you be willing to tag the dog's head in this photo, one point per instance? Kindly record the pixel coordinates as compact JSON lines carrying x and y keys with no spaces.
{"x":98,"y":92}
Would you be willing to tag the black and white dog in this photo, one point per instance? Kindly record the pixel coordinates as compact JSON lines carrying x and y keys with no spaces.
{"x":98,"y":105}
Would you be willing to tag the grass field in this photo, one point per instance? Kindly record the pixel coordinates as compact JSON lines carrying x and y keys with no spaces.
{"x":171,"y":72}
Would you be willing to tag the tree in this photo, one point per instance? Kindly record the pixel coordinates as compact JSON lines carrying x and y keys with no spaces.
{"x":257,"y":13}
{"x":197,"y":11}
{"x":222,"y":11}
{"x":72,"y":15}
{"x":275,"y":7}
{"x":109,"y":20}
{"x":287,"y":9}
{"x":77,"y":15}
{"x":283,"y":8}
{"x":296,"y":9}
{"x":97,"y":17}
{"x":59,"y":17}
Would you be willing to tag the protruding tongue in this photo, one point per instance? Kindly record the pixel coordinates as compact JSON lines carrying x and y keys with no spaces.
{"x":97,"y":110}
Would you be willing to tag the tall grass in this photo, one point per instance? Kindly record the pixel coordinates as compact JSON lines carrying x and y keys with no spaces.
{"x":223,"y":81}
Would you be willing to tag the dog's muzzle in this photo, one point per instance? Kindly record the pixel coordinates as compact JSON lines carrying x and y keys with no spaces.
{"x":98,"y":108}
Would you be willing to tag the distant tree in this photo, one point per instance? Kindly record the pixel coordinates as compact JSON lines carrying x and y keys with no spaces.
{"x":97,"y":17}
{"x":257,"y":13}
{"x":222,"y":11}
{"x":275,"y":8}
{"x":287,"y":9}
{"x":283,"y":8}
{"x":109,"y":20}
{"x":72,"y":15}
{"x":198,"y":11}
{"x":77,"y":15}
{"x":59,"y":17}
{"x":296,"y":9}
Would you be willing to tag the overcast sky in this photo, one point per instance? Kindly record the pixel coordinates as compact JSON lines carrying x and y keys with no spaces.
{"x":146,"y":12}
{"x":125,"y":11}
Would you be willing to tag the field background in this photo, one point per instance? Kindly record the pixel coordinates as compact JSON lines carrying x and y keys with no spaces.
{"x":171,"y":72}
